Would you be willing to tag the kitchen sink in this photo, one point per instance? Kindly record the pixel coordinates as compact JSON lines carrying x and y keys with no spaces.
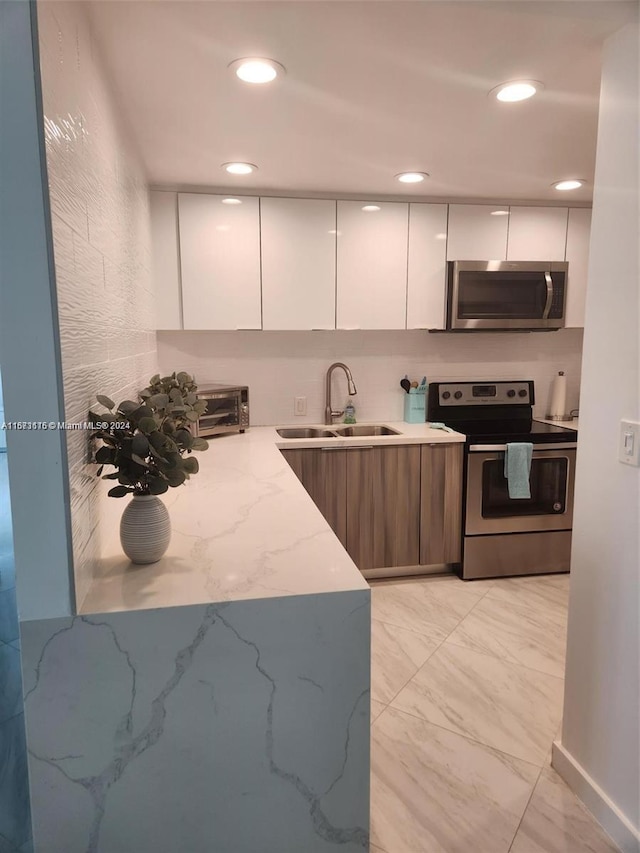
{"x":305,"y":432}
{"x":366,"y":429}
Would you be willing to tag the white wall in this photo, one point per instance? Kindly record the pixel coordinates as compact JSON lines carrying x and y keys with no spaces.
{"x":99,"y":204}
{"x":600,"y":735}
{"x":278,"y":366}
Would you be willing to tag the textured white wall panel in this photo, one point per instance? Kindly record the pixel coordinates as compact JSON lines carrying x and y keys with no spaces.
{"x":279,"y":366}
{"x":99,"y":205}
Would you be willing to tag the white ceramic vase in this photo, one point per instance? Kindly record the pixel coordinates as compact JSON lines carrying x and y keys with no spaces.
{"x":145,"y":529}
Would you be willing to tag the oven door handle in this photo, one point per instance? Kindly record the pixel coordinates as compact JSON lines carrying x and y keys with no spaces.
{"x":490,"y":448}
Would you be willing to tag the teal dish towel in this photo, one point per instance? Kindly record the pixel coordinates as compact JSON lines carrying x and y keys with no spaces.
{"x":517,"y":468}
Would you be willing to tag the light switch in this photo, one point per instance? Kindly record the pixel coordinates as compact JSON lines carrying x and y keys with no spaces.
{"x":629,"y":447}
{"x":300,"y":405}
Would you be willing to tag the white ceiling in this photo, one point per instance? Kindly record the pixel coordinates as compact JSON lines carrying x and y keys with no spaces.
{"x":373,"y":88}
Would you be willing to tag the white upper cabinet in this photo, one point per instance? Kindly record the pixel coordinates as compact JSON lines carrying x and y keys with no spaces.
{"x":537,"y":233}
{"x":220,"y":262}
{"x":163,"y":210}
{"x":372,"y":265}
{"x":578,"y":234}
{"x":427,"y":266}
{"x":298,"y":263}
{"x":477,"y":233}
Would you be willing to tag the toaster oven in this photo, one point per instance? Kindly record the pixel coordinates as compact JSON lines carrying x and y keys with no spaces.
{"x":227,"y":409}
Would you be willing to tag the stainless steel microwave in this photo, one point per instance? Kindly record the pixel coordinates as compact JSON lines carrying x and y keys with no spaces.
{"x":506,"y":295}
{"x":227,"y":409}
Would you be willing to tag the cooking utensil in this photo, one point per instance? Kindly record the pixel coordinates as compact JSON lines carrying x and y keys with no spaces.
{"x":405,"y":384}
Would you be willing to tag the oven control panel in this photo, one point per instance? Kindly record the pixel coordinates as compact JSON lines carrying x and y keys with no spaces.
{"x":485,"y":393}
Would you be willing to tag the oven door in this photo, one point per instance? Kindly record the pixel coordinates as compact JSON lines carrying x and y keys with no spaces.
{"x":489,"y":509}
{"x":223,"y":413}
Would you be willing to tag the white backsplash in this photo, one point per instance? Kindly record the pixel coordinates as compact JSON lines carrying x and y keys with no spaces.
{"x":279,"y":366}
{"x":99,"y":206}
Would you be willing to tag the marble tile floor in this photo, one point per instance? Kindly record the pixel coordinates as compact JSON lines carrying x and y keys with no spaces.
{"x":467,"y":687}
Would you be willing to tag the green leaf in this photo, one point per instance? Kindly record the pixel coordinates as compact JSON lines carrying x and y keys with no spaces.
{"x":127,"y":407}
{"x":190,"y":465}
{"x":184,"y":437}
{"x":183,"y":377}
{"x":104,"y":456}
{"x":159,"y":401}
{"x":147,"y":425}
{"x":118,"y":492}
{"x":200,"y":444}
{"x":158,"y":486}
{"x":192,"y":416}
{"x":176,"y":477}
{"x":139,"y":460}
{"x":140,"y":445}
{"x":191,"y":398}
{"x":155,"y":378}
{"x":112,"y":476}
{"x":158,"y":440}
{"x":175,"y":395}
{"x":107,"y":402}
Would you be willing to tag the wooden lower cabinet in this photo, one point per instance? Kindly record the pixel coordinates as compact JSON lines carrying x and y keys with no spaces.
{"x":441,"y":503}
{"x":399,"y":505}
{"x":383,"y":506}
{"x":323,"y":473}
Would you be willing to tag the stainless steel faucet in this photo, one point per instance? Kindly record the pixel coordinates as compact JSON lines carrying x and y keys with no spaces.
{"x":329,"y":413}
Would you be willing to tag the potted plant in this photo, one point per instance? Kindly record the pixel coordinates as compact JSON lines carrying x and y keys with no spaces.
{"x":150,"y":445}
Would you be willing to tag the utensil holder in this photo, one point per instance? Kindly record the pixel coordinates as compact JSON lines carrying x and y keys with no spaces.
{"x":415,"y":410}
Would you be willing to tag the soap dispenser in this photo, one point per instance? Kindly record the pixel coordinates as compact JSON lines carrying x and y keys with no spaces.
{"x":349,"y":412}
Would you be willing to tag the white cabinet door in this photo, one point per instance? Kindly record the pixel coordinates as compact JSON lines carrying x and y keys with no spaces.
{"x":220,"y":262}
{"x":427,"y":266}
{"x":578,"y":234}
{"x":163,"y":211}
{"x":477,"y":233}
{"x":298,"y":238}
{"x":537,"y":234}
{"x":372,"y":265}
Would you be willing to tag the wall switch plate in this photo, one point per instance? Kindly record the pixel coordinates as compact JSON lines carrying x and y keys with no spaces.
{"x":629,"y":447}
{"x":300,"y":406}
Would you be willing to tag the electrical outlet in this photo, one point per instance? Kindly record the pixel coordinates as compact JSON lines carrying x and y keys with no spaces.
{"x":300,"y":406}
{"x":629,"y":448}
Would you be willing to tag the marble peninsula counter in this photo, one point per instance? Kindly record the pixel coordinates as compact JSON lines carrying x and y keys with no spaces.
{"x":217,"y":700}
{"x":242,"y":528}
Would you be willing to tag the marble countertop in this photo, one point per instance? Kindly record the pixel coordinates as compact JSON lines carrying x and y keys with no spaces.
{"x":242,"y":528}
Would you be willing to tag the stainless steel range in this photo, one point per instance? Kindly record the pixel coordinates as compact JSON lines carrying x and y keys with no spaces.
{"x":502,"y":535}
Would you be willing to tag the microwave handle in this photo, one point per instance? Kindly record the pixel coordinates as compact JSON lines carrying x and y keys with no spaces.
{"x":547,"y":304}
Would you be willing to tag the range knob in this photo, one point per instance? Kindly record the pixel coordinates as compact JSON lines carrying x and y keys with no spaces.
{"x":511,"y":393}
{"x":522,"y":392}
{"x":458,"y":394}
{"x":446,"y":395}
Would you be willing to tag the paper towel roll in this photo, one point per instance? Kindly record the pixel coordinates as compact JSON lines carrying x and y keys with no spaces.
{"x":558,"y":406}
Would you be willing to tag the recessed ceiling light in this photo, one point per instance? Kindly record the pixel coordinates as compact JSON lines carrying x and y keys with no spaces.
{"x":231,"y":201}
{"x":499,"y":212}
{"x":255,"y":69}
{"x":239,"y":168}
{"x":572,"y":184}
{"x":516,"y":90}
{"x":412,"y":177}
{"x":370,"y":208}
